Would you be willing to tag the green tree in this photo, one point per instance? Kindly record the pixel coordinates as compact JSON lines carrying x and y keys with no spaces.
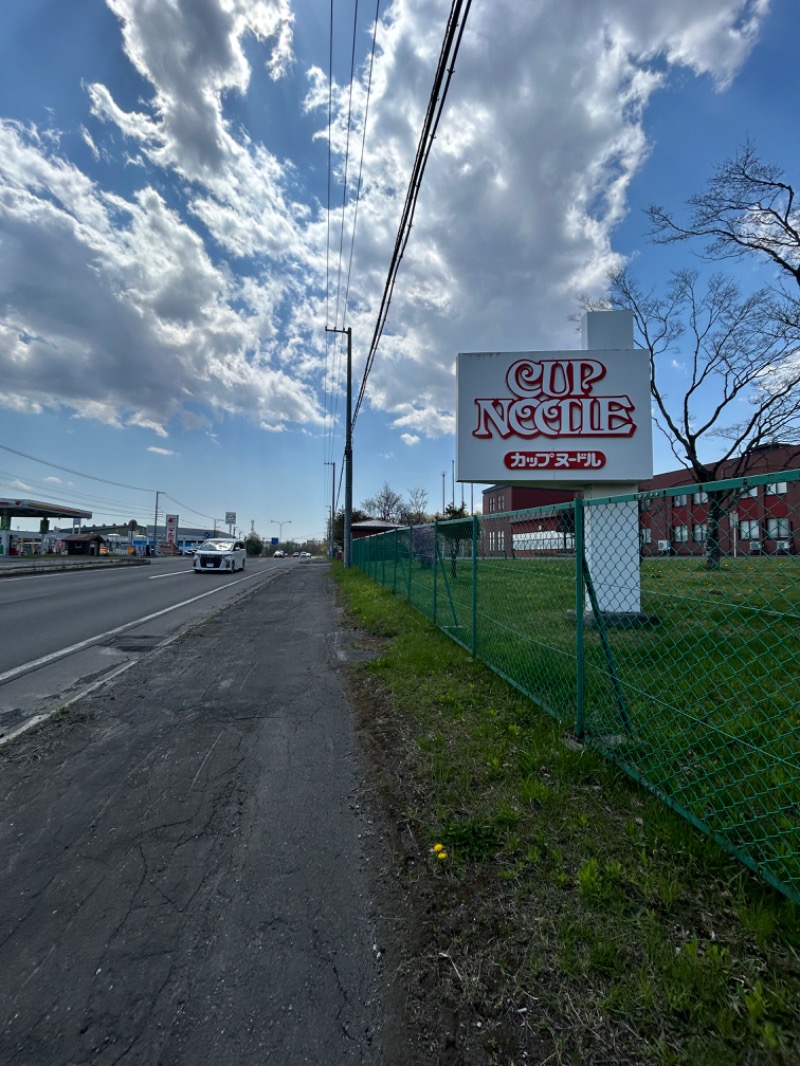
{"x":254,"y":544}
{"x":456,"y":528}
{"x":338,"y":525}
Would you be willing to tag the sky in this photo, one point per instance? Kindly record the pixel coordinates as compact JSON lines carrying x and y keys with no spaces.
{"x":179,"y":232}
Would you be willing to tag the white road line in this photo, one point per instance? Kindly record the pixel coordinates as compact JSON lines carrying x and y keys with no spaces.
{"x":35,"y":663}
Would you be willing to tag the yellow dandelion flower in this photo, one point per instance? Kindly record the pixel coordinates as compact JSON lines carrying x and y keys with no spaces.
{"x":441,"y":854}
{"x":438,"y":847}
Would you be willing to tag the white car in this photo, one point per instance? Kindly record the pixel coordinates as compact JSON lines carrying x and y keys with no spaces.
{"x":220,"y":553}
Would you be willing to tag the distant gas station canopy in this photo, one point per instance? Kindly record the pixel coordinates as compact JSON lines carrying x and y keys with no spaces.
{"x":35,"y":509}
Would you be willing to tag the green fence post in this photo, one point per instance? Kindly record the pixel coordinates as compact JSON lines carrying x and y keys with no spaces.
{"x":410,"y":559}
{"x":474,"y":585}
{"x":580,"y":650}
{"x":435,"y":565}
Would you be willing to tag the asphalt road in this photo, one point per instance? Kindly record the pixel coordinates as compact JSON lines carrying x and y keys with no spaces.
{"x":65,"y":630}
{"x":49,"y":611}
{"x":187,"y":871}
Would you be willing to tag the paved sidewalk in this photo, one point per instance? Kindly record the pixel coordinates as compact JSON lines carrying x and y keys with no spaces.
{"x":185,"y":863}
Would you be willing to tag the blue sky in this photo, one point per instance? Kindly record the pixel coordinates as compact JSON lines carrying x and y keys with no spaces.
{"x":168,"y":264}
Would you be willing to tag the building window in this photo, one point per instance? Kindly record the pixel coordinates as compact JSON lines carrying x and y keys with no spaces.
{"x":501,"y":503}
{"x":778,"y":529}
{"x":497,"y":541}
{"x":751,"y":493}
{"x":680,"y":534}
{"x":700,"y":497}
{"x":776,"y":488}
{"x":748,"y":530}
{"x":680,"y":501}
{"x":646,"y":536}
{"x":700,"y":532}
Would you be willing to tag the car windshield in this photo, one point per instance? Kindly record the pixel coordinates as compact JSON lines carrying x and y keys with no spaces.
{"x":216,"y":545}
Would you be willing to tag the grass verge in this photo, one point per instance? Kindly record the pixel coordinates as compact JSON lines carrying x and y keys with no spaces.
{"x":569,"y":916}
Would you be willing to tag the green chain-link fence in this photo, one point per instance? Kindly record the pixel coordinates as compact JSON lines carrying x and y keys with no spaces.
{"x":662,"y":628}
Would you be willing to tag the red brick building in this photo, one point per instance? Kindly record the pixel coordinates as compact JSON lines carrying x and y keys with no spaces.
{"x":498,"y":533}
{"x":763,"y":519}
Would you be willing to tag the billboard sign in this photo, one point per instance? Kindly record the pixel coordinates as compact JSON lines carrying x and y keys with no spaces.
{"x":553,"y":418}
{"x":230,"y":518}
{"x":172,"y":528}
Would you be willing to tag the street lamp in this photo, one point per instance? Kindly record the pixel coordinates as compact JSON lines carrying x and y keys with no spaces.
{"x":286,"y":522}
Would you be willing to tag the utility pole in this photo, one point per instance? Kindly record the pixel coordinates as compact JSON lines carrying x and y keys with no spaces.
{"x":333,"y":510}
{"x":444,"y":475}
{"x":159,"y":492}
{"x":348,"y":447}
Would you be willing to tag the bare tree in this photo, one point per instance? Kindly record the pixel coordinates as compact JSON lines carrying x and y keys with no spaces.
{"x":747,"y":209}
{"x":416,"y":506}
{"x":386,"y":504}
{"x":742,"y":373}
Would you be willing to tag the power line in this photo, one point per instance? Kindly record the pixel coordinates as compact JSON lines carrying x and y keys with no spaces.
{"x":113,"y":506}
{"x":346,"y":162}
{"x":361,"y":161}
{"x":333,"y":374}
{"x":77,"y":473}
{"x":441,"y":84}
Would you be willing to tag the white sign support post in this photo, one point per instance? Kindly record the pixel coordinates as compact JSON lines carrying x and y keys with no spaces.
{"x":611,"y":531}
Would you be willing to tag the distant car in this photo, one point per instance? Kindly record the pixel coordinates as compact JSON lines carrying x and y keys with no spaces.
{"x":187,"y":549}
{"x":305,"y":555}
{"x":295,"y":555}
{"x":220,"y":553}
{"x":279,"y":554}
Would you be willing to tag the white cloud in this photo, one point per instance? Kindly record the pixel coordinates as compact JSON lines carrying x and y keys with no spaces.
{"x":160,"y":451}
{"x":198,"y":291}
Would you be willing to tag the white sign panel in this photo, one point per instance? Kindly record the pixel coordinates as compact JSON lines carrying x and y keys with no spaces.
{"x":553,"y":417}
{"x":230,"y":518}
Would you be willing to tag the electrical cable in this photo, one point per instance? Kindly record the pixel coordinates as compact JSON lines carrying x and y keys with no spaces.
{"x":77,"y":473}
{"x":450,"y":47}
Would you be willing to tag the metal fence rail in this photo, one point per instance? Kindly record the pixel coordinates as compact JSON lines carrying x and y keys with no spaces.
{"x":695,"y":692}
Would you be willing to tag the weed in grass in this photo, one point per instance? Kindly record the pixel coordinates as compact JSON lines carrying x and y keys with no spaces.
{"x":535,"y":792}
{"x":473,"y":838}
{"x":600,"y":883}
